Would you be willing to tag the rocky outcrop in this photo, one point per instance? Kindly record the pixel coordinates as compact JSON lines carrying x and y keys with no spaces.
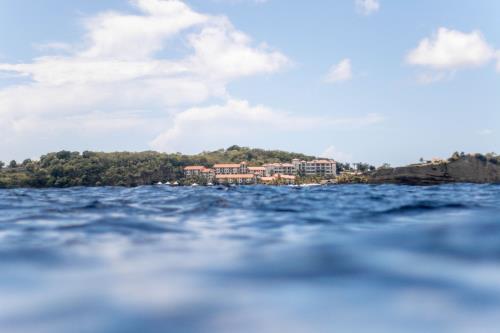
{"x":459,"y":169}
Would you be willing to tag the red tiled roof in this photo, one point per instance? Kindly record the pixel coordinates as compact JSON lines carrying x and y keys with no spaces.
{"x":256,"y":168}
{"x":194,"y":168}
{"x":276,"y":177}
{"x":226,"y":166}
{"x":286,"y":165}
{"x":242,"y":176}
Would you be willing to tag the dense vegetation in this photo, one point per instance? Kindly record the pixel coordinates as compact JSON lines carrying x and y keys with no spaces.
{"x":361,"y":167}
{"x":65,"y":169}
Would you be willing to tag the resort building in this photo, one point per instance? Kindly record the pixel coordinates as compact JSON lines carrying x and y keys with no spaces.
{"x":272,"y":173}
{"x":286,"y":179}
{"x":236,"y":179}
{"x":258,"y":171}
{"x":277,"y":179}
{"x":194,"y":171}
{"x":316,"y":167}
{"x":280,"y":168}
{"x":209,"y":175}
{"x":199,"y":171}
{"x":231,"y":169}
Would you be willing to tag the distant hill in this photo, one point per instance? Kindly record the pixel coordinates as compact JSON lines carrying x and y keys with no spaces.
{"x":236,"y":154}
{"x":66,"y":169}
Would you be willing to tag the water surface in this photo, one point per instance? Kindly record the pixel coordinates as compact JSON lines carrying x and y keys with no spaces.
{"x":250,"y":259}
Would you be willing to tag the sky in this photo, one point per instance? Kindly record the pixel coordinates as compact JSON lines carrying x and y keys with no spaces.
{"x":378,"y":81}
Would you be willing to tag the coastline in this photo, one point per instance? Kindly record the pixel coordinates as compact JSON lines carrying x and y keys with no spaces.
{"x":72,"y":169}
{"x":475,"y":169}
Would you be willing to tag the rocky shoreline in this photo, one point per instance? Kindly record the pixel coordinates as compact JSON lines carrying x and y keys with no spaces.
{"x":476,"y":168}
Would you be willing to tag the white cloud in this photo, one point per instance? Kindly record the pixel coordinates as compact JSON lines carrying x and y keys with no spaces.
{"x":333,"y":153}
{"x":340,"y":72}
{"x":238,"y":122}
{"x":123,"y":65}
{"x":367,"y":7}
{"x":451,"y":49}
{"x":121,"y":36}
{"x":223,"y":52}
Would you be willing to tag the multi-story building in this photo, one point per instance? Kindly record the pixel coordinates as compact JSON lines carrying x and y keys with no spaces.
{"x":199,"y":171}
{"x":231,"y":169}
{"x":258,"y":171}
{"x":194,"y":170}
{"x":277,"y":179}
{"x":209,"y":175}
{"x":280,"y":168}
{"x":287,"y":179}
{"x":316,"y":167}
{"x":268,"y":173}
{"x":236,"y":178}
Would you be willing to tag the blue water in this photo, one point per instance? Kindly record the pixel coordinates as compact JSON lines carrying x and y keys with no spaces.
{"x":250,"y":259}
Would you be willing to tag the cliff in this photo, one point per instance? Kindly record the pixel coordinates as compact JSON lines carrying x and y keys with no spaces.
{"x":458,"y":169}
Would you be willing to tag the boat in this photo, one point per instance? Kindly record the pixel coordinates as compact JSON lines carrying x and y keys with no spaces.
{"x":159,"y":183}
{"x":210,"y":184}
{"x":167,"y":183}
{"x":194,"y":185}
{"x":175,"y":184}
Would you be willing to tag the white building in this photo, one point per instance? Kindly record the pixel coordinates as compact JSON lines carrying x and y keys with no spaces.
{"x":231,"y":169}
{"x":278,"y":179}
{"x":280,"y":168}
{"x":258,"y":171}
{"x":242,"y":173}
{"x":236,"y":179}
{"x":199,"y":171}
{"x":322,"y":167}
{"x":194,"y":170}
{"x":208,"y":174}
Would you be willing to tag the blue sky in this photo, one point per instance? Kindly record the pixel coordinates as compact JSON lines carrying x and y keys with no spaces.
{"x":357,"y":80}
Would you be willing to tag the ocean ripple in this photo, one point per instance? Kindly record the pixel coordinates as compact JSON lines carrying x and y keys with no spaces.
{"x":250,"y":259}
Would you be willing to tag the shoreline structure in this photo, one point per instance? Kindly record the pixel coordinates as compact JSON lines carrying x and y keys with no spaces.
{"x":269,"y":174}
{"x":94,"y":169}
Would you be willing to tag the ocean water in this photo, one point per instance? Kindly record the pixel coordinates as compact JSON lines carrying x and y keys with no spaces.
{"x":250,"y":259}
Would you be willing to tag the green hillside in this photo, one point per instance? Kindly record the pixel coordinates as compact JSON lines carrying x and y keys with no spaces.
{"x":65,"y":169}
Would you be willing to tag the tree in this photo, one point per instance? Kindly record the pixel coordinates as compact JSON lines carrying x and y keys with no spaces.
{"x":421,"y":160}
{"x":13,"y":164}
{"x":364,"y":167}
{"x":67,"y":168}
{"x":63,"y":155}
{"x":2,"y":164}
{"x":341,"y":167}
